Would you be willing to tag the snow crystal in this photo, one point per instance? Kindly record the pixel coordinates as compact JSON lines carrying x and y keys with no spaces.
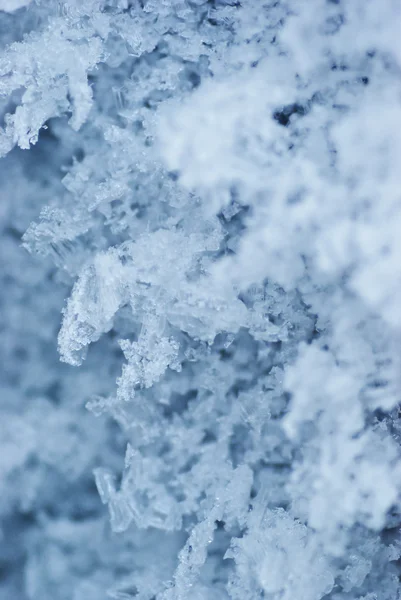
{"x":201,"y":211}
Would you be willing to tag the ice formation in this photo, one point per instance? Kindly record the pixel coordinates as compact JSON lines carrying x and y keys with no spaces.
{"x":201,"y":201}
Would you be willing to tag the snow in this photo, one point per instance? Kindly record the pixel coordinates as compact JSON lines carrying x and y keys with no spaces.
{"x":200,"y":293}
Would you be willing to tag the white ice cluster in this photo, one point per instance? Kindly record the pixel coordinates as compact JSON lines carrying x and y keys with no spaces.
{"x":209,"y":192}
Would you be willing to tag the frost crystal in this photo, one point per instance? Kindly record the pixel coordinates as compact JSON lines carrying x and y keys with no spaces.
{"x":209,"y":193}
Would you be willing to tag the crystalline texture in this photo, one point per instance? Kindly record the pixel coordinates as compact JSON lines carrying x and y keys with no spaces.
{"x":209,"y":193}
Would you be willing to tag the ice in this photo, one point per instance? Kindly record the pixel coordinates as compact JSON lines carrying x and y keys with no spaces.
{"x":200,"y":216}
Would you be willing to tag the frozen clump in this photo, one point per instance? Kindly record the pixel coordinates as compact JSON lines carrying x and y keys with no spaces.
{"x":279,"y":556}
{"x":53,"y":82}
{"x":97,"y":296}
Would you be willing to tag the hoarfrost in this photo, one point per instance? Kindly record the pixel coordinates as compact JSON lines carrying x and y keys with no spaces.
{"x":210,"y":194}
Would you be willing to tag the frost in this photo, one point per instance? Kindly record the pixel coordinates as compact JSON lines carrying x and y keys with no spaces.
{"x":97,"y":296}
{"x":209,"y":193}
{"x":275,"y":556}
{"x":53,"y":82}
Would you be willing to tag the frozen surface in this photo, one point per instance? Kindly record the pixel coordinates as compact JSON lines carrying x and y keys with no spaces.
{"x":200,"y":215}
